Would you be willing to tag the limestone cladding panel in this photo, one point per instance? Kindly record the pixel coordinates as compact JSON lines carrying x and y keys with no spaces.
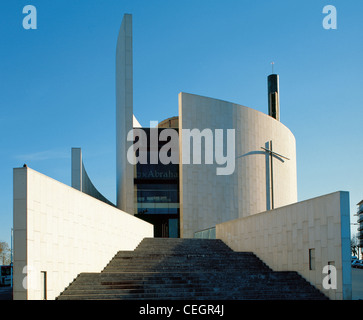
{"x":207,"y":198}
{"x":62,"y":231}
{"x":283,"y":237}
{"x":124,"y":115}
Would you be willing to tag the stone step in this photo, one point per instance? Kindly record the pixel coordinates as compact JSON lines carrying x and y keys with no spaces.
{"x":136,"y":289}
{"x":181,"y":254}
{"x":197,"y":295}
{"x":212,"y":276}
{"x":188,"y":269}
{"x":137,"y":293}
{"x":254,"y":284}
{"x":188,"y":284}
{"x":262,"y":275}
{"x":203,"y":262}
{"x":173,"y":260}
{"x":155,"y":244}
{"x":188,"y":280}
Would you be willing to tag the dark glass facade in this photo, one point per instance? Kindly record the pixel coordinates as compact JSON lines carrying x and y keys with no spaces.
{"x":156,"y":192}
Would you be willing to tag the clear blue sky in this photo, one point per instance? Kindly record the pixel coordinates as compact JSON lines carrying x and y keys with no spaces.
{"x":57,"y":83}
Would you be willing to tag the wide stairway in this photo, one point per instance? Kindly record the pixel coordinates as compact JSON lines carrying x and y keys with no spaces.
{"x":193,"y":269}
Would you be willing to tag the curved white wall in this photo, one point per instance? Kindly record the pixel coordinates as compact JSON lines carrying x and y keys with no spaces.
{"x":208,"y":199}
{"x":81,"y":180}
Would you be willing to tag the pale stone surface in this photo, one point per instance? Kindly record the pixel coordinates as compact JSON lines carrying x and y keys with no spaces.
{"x":207,"y":199}
{"x":64,"y":232}
{"x":124,"y":116}
{"x":80,"y":178}
{"x":136,"y":123}
{"x":282,"y":239}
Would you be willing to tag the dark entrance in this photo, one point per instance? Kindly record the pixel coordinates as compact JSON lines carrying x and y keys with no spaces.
{"x":157,"y":193}
{"x":165,"y":226}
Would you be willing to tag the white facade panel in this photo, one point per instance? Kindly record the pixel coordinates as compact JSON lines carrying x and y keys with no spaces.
{"x":63,"y":232}
{"x":283,"y":237}
{"x":124,"y":116}
{"x":207,"y":198}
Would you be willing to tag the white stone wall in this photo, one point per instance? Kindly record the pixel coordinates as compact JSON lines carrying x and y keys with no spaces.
{"x":64,"y":232}
{"x":282,"y":239}
{"x":207,"y":199}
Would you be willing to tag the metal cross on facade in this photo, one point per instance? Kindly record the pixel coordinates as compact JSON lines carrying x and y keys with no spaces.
{"x":272,"y":154}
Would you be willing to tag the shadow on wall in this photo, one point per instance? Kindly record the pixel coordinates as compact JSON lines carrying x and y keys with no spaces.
{"x":269,"y":156}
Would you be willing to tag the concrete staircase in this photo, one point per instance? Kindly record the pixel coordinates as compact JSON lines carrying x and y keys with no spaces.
{"x":193,"y":269}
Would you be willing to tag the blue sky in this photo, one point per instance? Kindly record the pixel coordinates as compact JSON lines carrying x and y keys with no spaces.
{"x":57,"y":84}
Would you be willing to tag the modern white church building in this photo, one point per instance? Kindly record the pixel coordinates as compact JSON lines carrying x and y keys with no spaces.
{"x":217,"y":169}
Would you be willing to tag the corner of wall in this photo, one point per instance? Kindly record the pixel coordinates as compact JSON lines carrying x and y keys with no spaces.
{"x":345,"y":247}
{"x":20,"y":182}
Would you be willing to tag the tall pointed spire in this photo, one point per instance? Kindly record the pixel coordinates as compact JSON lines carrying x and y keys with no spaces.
{"x":124,"y":116}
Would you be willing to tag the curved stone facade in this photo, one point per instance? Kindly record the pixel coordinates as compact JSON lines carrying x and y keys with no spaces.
{"x":81,"y":180}
{"x":207,"y":199}
{"x":259,"y":180}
